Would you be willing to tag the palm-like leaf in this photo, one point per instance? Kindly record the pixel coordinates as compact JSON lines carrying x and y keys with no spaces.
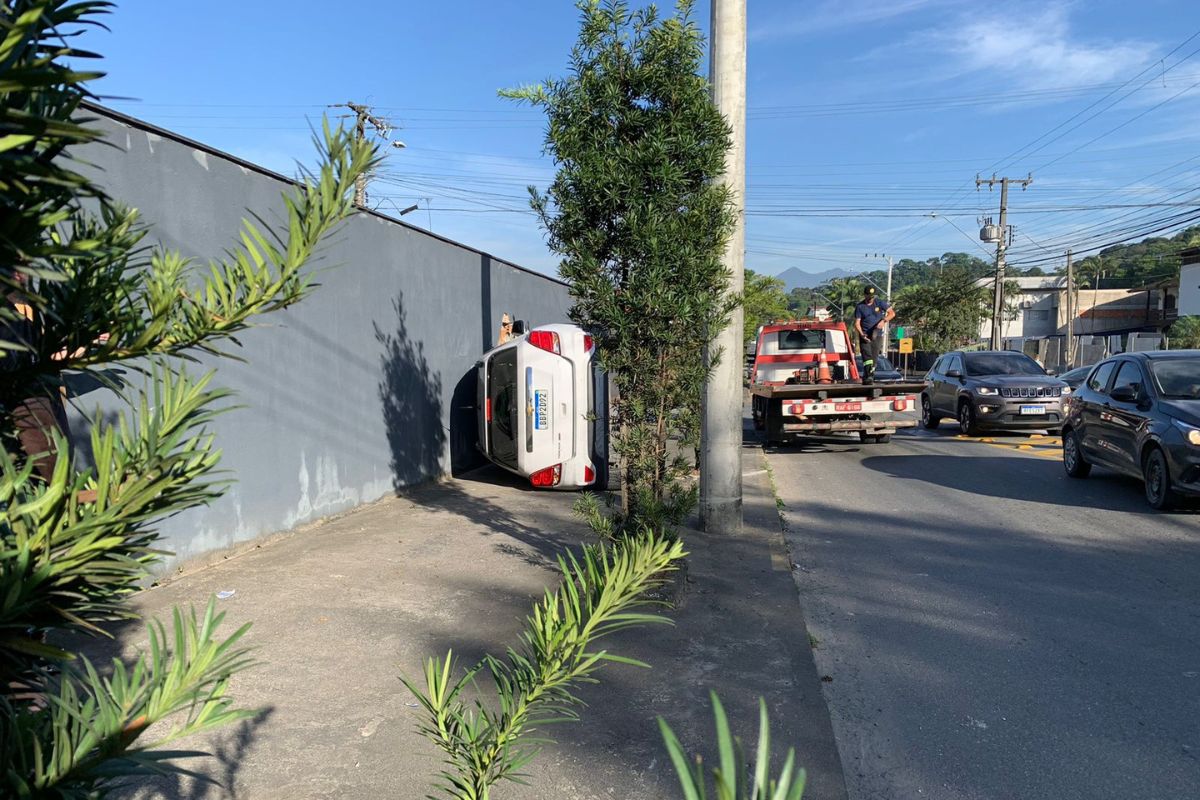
{"x":600,"y":594}
{"x":730,"y":779}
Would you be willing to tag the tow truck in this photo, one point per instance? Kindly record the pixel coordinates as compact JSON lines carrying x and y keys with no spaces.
{"x":804,"y":381}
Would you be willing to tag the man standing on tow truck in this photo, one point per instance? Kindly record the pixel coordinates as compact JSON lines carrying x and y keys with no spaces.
{"x":869,"y":316}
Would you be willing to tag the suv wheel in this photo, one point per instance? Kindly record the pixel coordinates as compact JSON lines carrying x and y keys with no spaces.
{"x":966,"y":418}
{"x":1158,"y":480}
{"x":1073,"y":460}
{"x":928,"y":418}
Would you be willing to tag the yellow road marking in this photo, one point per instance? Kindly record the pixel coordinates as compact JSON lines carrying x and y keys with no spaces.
{"x":1037,"y":444}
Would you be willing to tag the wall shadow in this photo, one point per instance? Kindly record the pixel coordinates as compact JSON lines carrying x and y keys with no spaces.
{"x":411,"y":394}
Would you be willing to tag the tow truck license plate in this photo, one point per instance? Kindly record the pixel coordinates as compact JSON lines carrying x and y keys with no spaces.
{"x":847,"y":406}
{"x":541,"y":406}
{"x":1033,"y":409}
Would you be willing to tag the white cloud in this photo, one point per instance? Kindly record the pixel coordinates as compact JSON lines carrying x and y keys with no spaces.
{"x":1039,"y":52}
{"x":833,"y":14}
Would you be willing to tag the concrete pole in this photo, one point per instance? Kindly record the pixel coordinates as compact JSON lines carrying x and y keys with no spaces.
{"x":721,"y":432}
{"x":1070,"y":312}
{"x":998,"y":290}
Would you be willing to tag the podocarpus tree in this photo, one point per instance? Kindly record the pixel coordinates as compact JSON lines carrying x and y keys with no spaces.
{"x":82,"y":293}
{"x":640,"y":222}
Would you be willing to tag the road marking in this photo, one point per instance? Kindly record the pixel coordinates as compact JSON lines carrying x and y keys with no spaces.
{"x":1037,"y":444}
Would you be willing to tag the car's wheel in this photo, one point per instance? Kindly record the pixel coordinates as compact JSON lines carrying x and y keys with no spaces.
{"x":928,"y":418}
{"x":966,"y":418}
{"x":1073,"y":461}
{"x":1158,"y":480}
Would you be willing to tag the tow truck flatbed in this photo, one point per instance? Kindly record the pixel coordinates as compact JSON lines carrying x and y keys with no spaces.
{"x":820,"y":391}
{"x":804,"y":380}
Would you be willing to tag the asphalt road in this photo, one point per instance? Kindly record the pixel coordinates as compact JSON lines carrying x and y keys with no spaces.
{"x":989,"y":628}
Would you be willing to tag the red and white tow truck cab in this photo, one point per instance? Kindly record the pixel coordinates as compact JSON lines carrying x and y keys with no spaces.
{"x":804,"y":381}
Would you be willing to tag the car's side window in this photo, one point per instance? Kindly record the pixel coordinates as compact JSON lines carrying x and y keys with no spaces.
{"x":1130,"y":374}
{"x":1099,"y":380}
{"x":954,"y":363}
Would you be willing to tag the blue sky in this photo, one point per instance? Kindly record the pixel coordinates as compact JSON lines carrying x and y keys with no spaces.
{"x":865,"y":117}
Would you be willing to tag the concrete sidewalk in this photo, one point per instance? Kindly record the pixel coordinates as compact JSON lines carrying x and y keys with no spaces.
{"x":342,"y":608}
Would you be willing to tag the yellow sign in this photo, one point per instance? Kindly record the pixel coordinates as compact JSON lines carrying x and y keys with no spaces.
{"x":906,"y":345}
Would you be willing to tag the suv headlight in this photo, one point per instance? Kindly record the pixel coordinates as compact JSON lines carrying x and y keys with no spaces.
{"x":1066,"y":390}
{"x":987,"y":390}
{"x":1192,"y":434}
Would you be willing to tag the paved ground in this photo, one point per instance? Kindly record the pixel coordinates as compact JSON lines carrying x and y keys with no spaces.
{"x":341,"y":609}
{"x":991,"y":628}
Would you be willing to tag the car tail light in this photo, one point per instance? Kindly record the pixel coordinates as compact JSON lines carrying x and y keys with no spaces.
{"x":546,"y":340}
{"x":588,"y":344}
{"x":550,"y":476}
{"x":488,"y":415}
{"x":589,"y":475}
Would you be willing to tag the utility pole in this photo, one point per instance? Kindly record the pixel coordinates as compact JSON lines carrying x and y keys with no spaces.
{"x":886,"y":335}
{"x":1070,"y":312}
{"x":382,"y":127}
{"x":1001,"y":247}
{"x":721,"y":433}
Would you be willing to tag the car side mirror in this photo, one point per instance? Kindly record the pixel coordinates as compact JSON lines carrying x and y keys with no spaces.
{"x":1125,"y":394}
{"x":953,"y":373}
{"x":520,"y":327}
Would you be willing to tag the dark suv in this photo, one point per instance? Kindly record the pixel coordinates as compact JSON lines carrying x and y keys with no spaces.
{"x":1139,"y":414}
{"x":992,"y":389}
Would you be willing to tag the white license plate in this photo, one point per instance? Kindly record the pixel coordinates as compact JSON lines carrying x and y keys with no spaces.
{"x":1033,"y":410}
{"x":541,"y":411}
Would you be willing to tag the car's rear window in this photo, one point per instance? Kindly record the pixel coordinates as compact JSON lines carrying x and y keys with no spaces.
{"x":801,"y":340}
{"x":1001,"y":364}
{"x":502,"y":393}
{"x":1177,"y":378}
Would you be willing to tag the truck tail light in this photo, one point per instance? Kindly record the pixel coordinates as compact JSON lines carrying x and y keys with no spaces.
{"x":900,"y":405}
{"x":588,"y":344}
{"x":546,"y":340}
{"x":550,"y":476}
{"x":589,"y":475}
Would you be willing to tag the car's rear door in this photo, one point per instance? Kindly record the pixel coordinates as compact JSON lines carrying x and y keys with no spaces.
{"x":1093,"y":433}
{"x":947,"y":396}
{"x":1125,"y":420}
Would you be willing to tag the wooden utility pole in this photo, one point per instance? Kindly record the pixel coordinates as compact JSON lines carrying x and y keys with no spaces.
{"x":721,"y":434}
{"x":381,"y":126}
{"x":1001,"y":247}
{"x":1070,"y":356}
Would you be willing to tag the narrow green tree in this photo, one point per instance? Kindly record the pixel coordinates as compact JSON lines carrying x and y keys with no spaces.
{"x":82,"y":293}
{"x":640,"y":222}
{"x":763,"y":301}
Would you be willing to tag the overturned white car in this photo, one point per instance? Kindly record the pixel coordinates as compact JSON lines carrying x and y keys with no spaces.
{"x":541,"y":401}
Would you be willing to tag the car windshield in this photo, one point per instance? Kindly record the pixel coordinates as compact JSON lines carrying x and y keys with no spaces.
{"x":1177,"y":378}
{"x":881,"y":363}
{"x":502,"y":395}
{"x":1001,"y":364}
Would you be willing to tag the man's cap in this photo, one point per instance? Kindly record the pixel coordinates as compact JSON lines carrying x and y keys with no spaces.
{"x":869,"y":290}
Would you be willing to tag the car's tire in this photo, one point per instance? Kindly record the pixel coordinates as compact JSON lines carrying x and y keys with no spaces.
{"x":966,"y":418}
{"x":928,"y":418}
{"x":882,"y":438}
{"x":1157,"y":477}
{"x":1073,"y":461}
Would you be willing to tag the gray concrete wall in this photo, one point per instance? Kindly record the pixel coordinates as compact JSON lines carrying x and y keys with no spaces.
{"x":365,"y":387}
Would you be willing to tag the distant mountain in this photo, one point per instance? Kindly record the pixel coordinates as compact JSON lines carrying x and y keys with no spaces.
{"x":796,"y":278}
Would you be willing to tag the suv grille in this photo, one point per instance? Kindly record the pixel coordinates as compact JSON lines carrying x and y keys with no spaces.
{"x":1037,"y":391}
